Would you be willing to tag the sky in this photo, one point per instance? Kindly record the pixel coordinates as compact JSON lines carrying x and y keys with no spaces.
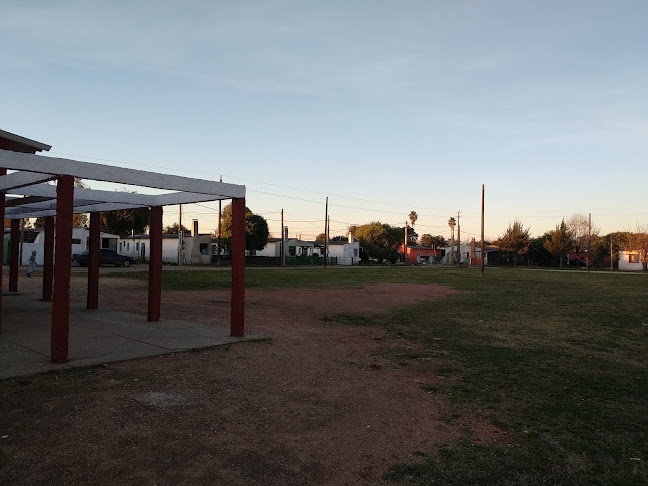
{"x":384,"y":107}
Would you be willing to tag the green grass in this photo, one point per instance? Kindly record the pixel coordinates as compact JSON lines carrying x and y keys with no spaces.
{"x":556,"y":359}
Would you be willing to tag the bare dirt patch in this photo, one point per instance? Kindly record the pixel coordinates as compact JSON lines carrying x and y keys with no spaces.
{"x":315,"y":404}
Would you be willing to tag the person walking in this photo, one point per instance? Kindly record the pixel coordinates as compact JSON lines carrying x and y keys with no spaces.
{"x":32,"y":264}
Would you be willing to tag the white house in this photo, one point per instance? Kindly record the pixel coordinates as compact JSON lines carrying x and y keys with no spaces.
{"x":346,"y":252}
{"x":294,"y":247}
{"x":195,"y":249}
{"x":630,"y":261}
{"x":35,"y":240}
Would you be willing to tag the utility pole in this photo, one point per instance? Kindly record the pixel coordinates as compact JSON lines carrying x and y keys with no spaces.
{"x":483,"y":252}
{"x":611,"y":256}
{"x":458,"y":240}
{"x":180,"y":237}
{"x":283,"y":242}
{"x":326,"y":233}
{"x":589,"y":243}
{"x":22,"y":239}
{"x":218,"y":254}
{"x":405,"y":245}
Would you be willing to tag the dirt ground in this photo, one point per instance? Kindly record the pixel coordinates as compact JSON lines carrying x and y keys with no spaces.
{"x":319,"y":402}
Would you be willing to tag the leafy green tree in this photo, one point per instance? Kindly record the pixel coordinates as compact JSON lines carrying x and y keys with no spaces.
{"x":538,"y":254}
{"x":433,"y":241}
{"x":560,"y":241}
{"x":173,"y":229}
{"x":256,"y":230}
{"x":380,"y":241}
{"x":515,"y":240}
{"x":123,"y":222}
{"x":321,"y":237}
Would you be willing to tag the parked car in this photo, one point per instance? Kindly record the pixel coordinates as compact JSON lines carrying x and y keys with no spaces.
{"x":106,"y":257}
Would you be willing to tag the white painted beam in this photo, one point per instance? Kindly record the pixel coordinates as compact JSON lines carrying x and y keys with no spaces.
{"x":22,"y":179}
{"x":106,"y":173}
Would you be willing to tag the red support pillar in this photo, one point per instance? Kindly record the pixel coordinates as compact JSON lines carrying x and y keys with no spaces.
{"x":237,"y":318}
{"x":14,"y":254}
{"x":2,"y":215}
{"x":155,"y":265}
{"x":62,"y":269}
{"x":48,"y":259}
{"x":93,"y":261}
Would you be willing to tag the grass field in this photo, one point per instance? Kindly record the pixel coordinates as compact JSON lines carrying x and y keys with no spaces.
{"x":556,"y":359}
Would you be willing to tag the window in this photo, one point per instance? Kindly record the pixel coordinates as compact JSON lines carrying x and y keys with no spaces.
{"x":633,"y":258}
{"x":137,"y":246}
{"x":76,"y":241}
{"x":204,"y":248}
{"x":127,"y":246}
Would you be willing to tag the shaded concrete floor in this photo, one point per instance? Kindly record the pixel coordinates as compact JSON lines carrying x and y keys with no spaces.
{"x":96,"y":336}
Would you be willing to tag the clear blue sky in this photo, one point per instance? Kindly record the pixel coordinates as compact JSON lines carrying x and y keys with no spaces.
{"x":384,"y":106}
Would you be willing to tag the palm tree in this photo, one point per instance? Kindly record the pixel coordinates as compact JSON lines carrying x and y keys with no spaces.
{"x":452,"y":222}
{"x":413,"y":217}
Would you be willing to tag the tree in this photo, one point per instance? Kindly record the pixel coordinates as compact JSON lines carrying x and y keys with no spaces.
{"x":433,"y":241}
{"x":321,"y":237}
{"x":538,"y":254}
{"x":452,"y":222}
{"x":579,"y":224}
{"x":256,"y":230}
{"x":560,"y":241}
{"x":124,"y":222}
{"x":173,"y":229}
{"x":413,"y":217}
{"x":380,"y":241}
{"x":515,"y":240}
{"x":412,"y":236}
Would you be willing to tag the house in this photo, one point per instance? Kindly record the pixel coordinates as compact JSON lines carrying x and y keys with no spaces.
{"x":630,"y":261}
{"x":346,"y":252}
{"x":475,"y":253}
{"x":422,"y":254}
{"x":294,"y":247}
{"x":195,"y":248}
{"x":34,"y":239}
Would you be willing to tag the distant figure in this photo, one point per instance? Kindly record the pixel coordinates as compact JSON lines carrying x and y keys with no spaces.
{"x":32,"y":264}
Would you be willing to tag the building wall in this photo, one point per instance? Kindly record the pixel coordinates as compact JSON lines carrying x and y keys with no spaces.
{"x":79,"y":244}
{"x":624,"y":261}
{"x":272,"y":249}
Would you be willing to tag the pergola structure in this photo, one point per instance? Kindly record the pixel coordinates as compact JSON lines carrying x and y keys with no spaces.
{"x":28,"y":196}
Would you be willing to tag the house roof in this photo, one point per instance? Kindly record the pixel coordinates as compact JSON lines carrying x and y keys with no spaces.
{"x":27,"y":194}
{"x":21,"y":144}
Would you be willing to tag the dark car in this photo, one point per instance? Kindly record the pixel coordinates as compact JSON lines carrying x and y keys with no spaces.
{"x":106,"y":257}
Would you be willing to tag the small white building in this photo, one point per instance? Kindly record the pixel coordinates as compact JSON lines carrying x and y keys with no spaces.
{"x":294,"y":247}
{"x":630,"y":261}
{"x":35,"y":241}
{"x":194,"y":249}
{"x":346,"y":252}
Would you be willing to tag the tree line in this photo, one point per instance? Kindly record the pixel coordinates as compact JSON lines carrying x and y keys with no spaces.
{"x":571,"y":237}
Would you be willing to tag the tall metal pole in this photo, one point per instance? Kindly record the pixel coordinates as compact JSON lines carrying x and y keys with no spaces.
{"x":218,"y":253}
{"x":483,"y":251}
{"x":22,"y":239}
{"x":326,"y":233}
{"x":589,"y":243}
{"x":405,"y":245}
{"x":458,"y":239}
{"x":180,"y":237}
{"x":611,"y":256}
{"x":282,"y":250}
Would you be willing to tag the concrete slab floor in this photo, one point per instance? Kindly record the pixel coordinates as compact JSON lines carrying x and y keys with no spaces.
{"x":96,"y":336}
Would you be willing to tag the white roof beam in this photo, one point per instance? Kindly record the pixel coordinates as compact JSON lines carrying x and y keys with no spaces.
{"x":107,"y":173}
{"x":21,"y":179}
